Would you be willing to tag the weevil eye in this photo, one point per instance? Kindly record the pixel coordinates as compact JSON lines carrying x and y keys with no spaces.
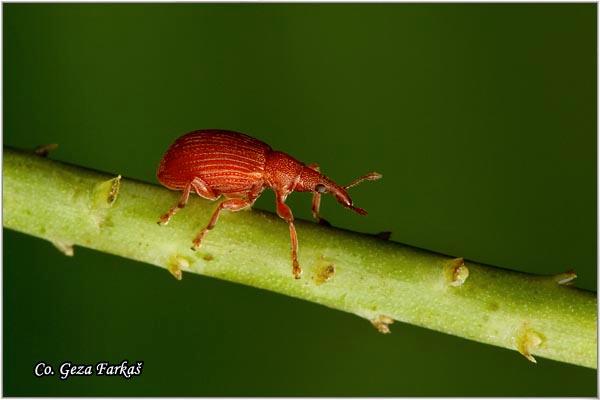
{"x":320,"y":188}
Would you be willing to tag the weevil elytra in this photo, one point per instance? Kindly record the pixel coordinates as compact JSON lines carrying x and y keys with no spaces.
{"x":215,"y":163}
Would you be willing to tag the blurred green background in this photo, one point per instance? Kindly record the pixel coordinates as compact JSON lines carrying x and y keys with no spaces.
{"x":481,"y":117}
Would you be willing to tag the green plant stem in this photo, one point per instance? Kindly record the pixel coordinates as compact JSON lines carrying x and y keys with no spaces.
{"x":361,"y":274}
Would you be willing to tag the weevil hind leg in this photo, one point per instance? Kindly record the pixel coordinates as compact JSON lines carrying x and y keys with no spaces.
{"x":165,"y":218}
{"x":199,"y":187}
{"x":234,"y":204}
{"x":231,"y":205}
{"x":286,"y":213}
{"x":203,"y":190}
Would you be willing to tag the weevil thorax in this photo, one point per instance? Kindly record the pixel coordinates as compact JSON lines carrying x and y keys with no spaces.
{"x":282,"y":171}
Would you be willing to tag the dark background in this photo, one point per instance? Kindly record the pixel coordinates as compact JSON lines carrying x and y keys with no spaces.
{"x":481,"y":117}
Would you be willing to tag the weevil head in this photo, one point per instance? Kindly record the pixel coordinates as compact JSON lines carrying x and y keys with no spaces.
{"x":313,"y":181}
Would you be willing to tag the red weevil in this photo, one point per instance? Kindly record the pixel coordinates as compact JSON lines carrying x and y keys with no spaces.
{"x":215,"y":162}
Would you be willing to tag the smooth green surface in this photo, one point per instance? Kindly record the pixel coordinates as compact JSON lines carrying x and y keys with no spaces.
{"x":481,"y":118}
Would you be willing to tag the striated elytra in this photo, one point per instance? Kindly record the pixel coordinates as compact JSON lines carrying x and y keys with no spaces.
{"x":215,"y":163}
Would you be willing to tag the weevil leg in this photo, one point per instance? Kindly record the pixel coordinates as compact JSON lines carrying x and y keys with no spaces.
{"x":316,"y":205}
{"x":165,"y":218}
{"x":285,"y":213}
{"x":231,"y":205}
{"x":202,"y":189}
{"x":316,"y":200}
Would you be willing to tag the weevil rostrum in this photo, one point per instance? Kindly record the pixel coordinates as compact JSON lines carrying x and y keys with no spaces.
{"x":215,"y":163}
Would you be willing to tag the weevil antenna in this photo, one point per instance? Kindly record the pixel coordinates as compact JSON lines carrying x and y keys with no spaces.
{"x":371,"y":176}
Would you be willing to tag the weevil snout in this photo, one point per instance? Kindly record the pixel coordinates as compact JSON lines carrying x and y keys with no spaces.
{"x":344,"y":199}
{"x":340,"y":192}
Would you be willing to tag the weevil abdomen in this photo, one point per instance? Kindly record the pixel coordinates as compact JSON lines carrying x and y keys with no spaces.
{"x":228,"y":162}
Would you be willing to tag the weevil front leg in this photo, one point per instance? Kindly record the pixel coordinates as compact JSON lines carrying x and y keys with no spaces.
{"x":285,"y":213}
{"x":316,"y":200}
{"x":165,"y":218}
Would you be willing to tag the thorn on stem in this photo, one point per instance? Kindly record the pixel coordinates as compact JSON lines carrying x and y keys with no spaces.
{"x":176,"y":264}
{"x":45,"y":149}
{"x":457,"y":272}
{"x":324,"y":271}
{"x":385,"y":235}
{"x":565,"y":278}
{"x":64,"y":247}
{"x":382,"y":323}
{"x":105,"y":193}
{"x":114,"y":190}
{"x":527,"y":341}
